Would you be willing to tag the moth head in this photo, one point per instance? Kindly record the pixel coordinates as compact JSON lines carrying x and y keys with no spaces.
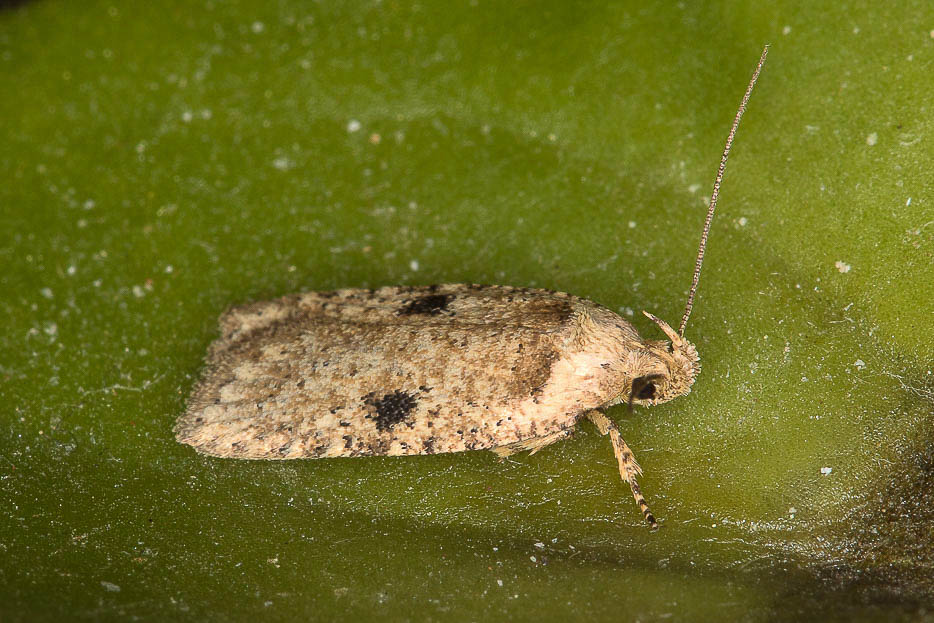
{"x":667,"y":370}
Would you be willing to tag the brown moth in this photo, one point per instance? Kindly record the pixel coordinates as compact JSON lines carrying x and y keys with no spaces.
{"x":422,"y":370}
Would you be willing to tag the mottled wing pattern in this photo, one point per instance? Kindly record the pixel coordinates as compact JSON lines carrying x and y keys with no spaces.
{"x":398,"y":370}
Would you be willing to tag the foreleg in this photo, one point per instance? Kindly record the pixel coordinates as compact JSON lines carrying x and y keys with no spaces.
{"x":628,"y":468}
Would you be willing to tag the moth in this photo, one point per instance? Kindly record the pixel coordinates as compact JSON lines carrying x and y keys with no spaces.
{"x":443,"y":368}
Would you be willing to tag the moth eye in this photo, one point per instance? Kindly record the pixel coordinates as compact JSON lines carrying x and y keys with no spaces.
{"x":646,"y":392}
{"x":644,"y":388}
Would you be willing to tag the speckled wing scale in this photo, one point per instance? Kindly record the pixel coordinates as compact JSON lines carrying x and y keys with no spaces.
{"x":422,"y":370}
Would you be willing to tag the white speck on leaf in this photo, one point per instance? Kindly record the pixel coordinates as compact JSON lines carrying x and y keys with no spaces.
{"x":353,"y":125}
{"x":826,"y":470}
{"x":282,"y":163}
{"x":872,"y":139}
{"x":842,"y":266}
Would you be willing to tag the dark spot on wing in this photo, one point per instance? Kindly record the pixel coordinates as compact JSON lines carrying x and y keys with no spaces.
{"x":391,"y":408}
{"x":431,"y":305}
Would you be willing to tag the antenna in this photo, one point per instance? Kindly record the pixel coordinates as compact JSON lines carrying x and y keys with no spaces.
{"x":716,"y":191}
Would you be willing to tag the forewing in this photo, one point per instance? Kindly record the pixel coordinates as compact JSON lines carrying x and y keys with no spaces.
{"x":378,"y":372}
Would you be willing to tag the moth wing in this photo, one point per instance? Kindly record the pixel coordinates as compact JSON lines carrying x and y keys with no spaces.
{"x":384,"y":372}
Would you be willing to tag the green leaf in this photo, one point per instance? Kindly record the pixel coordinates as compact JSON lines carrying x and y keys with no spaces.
{"x":164,"y":161}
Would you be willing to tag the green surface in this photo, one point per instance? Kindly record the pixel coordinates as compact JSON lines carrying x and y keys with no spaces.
{"x":163,"y":162}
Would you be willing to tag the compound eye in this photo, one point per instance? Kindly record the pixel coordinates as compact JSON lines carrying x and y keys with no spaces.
{"x":644,"y":387}
{"x":646,"y":392}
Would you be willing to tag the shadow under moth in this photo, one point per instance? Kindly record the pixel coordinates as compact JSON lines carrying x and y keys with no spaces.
{"x":443,"y":368}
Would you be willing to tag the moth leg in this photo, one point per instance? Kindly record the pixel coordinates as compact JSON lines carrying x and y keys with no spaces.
{"x":628,"y":468}
{"x":534,"y":444}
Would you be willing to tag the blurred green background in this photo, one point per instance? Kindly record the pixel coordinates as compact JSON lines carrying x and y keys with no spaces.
{"x":162,"y":161}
